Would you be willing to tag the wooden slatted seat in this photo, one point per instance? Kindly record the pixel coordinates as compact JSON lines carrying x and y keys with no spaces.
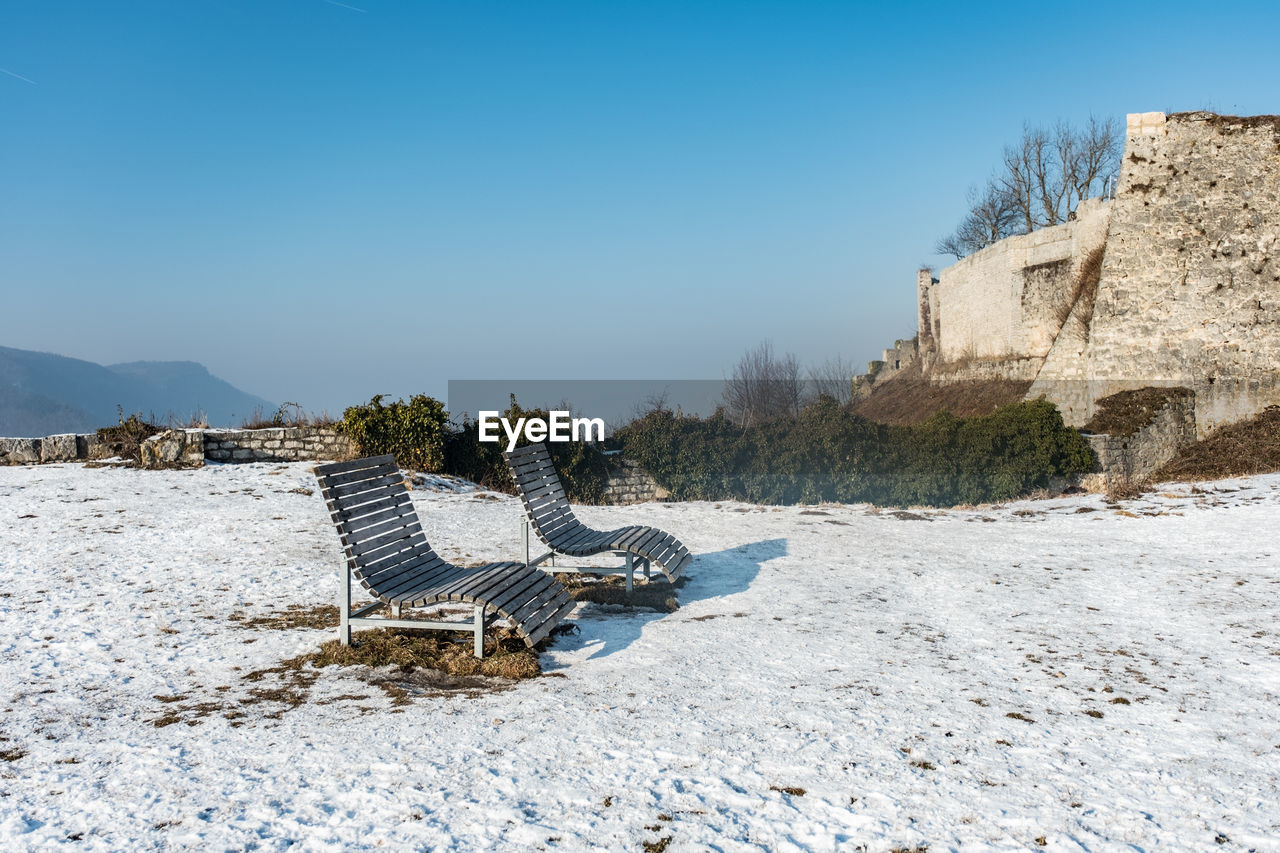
{"x":548,"y":513}
{"x":388,"y":553}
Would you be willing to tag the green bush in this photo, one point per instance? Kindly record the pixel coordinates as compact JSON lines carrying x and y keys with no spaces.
{"x":828,"y":453}
{"x":413,"y":431}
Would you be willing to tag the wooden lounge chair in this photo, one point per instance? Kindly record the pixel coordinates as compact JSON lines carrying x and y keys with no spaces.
{"x":388,"y":553}
{"x":548,"y":513}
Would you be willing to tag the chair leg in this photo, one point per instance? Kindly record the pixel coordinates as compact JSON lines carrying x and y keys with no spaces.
{"x":631,"y":571}
{"x":344,"y":606}
{"x":527,"y":555}
{"x":395,"y":611}
{"x":479,"y":629}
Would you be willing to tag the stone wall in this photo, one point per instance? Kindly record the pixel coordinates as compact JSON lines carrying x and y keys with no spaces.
{"x":630,"y":484}
{"x":1132,"y":459}
{"x":281,"y":444}
{"x":904,"y":354}
{"x":1009,"y":300}
{"x":67,"y":447}
{"x":188,"y":447}
{"x":1190,"y":287}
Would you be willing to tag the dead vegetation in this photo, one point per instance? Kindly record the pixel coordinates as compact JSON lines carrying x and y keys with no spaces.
{"x":1124,"y":413}
{"x":909,"y":398}
{"x":1084,"y":290}
{"x":506,"y":655}
{"x":293,"y":616}
{"x":403,"y":664}
{"x":1237,"y":450}
{"x":611,"y":589}
{"x":125,"y":438}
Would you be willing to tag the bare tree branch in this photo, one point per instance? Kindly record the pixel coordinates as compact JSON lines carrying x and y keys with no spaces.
{"x":763,"y":386}
{"x":1040,"y":182}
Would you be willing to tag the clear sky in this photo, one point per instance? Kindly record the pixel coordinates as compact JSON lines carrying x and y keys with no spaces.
{"x":322,"y":201}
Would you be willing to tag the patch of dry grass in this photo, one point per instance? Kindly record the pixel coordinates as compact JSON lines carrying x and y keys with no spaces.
{"x":612,"y":589}
{"x":293,"y":616}
{"x":1237,"y":450}
{"x":1126,"y":412}
{"x":403,"y":664}
{"x":909,"y":398}
{"x":506,"y":655}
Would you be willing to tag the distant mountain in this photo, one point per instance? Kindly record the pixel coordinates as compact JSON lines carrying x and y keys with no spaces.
{"x":42,"y":393}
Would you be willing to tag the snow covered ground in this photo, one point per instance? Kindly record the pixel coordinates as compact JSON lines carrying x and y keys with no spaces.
{"x":1059,"y":673}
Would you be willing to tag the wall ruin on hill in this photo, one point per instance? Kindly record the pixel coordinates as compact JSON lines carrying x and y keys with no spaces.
{"x":1190,"y":286}
{"x":1175,"y":282}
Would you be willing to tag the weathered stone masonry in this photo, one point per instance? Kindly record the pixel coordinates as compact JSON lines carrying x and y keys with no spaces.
{"x":1188,"y":294}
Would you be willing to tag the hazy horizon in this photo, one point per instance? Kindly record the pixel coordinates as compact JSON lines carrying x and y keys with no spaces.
{"x":320,"y":202}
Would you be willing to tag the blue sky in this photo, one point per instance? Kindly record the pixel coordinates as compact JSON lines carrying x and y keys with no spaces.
{"x":322,"y":201}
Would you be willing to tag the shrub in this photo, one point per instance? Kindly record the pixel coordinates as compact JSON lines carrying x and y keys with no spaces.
{"x":125,"y":439}
{"x":828,"y":453}
{"x":413,"y":431}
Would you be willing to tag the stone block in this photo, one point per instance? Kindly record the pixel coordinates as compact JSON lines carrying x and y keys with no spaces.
{"x":89,"y":446}
{"x":58,"y":448}
{"x":173,"y":448}
{"x":18,"y":451}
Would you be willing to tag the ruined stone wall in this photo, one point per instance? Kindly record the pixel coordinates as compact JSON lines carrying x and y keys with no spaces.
{"x":628,"y":483}
{"x":1009,"y":300}
{"x":281,"y":444}
{"x":191,"y":446}
{"x":68,"y":447}
{"x":1190,"y":287}
{"x":1134,"y":458}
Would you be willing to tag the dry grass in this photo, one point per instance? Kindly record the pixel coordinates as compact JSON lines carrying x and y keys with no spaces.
{"x":1125,"y":413}
{"x":909,"y":398}
{"x":125,"y":439}
{"x":294,"y":616}
{"x":288,"y":415}
{"x":1085,"y":289}
{"x":403,"y":664}
{"x":506,"y":655}
{"x":1237,"y":450}
{"x":612,"y":589}
{"x":789,"y":790}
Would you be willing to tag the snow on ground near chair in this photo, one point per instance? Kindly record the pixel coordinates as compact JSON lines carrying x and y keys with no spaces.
{"x":1061,"y":672}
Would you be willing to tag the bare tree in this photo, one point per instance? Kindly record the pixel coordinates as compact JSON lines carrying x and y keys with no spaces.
{"x":763,"y":386}
{"x":834,"y":377}
{"x":1040,"y":182}
{"x":991,"y":217}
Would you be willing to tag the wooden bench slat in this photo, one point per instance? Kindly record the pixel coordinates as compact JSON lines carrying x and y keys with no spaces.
{"x":353,"y":494}
{"x":356,"y":528}
{"x":382,"y":574}
{"x":367,"y":509}
{"x":537,"y":635}
{"x":330,"y":468}
{"x":530,"y":585}
{"x":400,"y":538}
{"x":363,"y":475}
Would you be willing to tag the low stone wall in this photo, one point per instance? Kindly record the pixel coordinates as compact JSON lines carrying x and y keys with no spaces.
{"x":280,"y":444}
{"x":1134,"y":458}
{"x":68,"y":447}
{"x":188,"y":447}
{"x":631,"y":484}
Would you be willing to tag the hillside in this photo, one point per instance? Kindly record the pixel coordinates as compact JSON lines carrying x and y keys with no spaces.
{"x":43,"y":393}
